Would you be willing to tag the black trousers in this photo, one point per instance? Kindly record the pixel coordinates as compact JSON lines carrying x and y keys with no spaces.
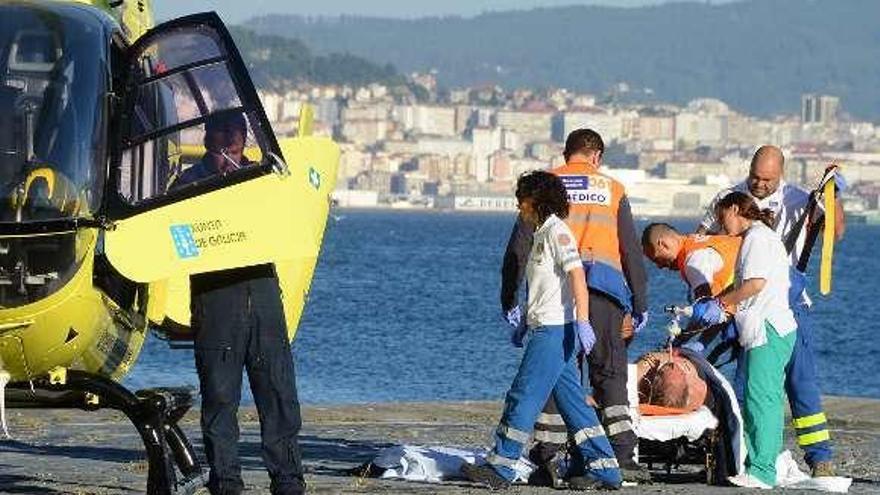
{"x":607,"y":365}
{"x":239,"y":324}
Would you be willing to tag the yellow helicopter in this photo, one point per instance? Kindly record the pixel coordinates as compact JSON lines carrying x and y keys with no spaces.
{"x":100,"y":112}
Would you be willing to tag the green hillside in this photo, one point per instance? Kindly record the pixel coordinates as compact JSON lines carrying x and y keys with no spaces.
{"x":758,"y":55}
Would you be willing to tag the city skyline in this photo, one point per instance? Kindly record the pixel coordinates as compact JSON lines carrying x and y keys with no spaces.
{"x":237,"y":12}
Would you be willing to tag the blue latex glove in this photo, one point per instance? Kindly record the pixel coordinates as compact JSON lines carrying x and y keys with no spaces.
{"x":514,"y":317}
{"x":640,"y":321}
{"x":708,"y":311}
{"x":729,"y":334}
{"x":694,"y":345}
{"x":586,"y":335}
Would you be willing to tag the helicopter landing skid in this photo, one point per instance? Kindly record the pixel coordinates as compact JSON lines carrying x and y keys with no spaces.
{"x":154,"y":412}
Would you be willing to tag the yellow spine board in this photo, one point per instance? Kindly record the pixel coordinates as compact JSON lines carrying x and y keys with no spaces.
{"x":827,"y":239}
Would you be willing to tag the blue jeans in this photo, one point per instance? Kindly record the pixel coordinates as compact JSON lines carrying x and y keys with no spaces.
{"x":802,"y":388}
{"x":549,"y":366}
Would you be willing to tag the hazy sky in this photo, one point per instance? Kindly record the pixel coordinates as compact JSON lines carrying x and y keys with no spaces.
{"x":234,"y":11}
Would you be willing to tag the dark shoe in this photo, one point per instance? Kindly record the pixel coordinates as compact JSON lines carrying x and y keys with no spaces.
{"x":484,"y":475}
{"x":225,"y":491}
{"x":585,"y":483}
{"x":225,"y":487}
{"x":823,"y":469}
{"x":634,"y":473}
{"x":294,"y":486}
{"x":547,"y":474}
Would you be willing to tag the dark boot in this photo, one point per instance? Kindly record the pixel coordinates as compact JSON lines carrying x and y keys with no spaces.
{"x":484,"y":475}
{"x":634,"y":473}
{"x":586,"y":483}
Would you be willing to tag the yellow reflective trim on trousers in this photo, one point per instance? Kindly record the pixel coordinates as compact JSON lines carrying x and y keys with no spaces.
{"x":808,"y":421}
{"x":815,"y":437}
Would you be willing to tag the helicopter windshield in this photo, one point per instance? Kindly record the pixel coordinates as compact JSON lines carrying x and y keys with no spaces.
{"x":53,"y":75}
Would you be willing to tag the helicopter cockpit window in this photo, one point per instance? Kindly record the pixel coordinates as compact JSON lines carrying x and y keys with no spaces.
{"x":53,"y":77}
{"x":53,"y":80}
{"x":185,"y":90}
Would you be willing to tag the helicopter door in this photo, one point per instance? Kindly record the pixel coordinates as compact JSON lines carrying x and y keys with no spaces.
{"x":196,"y":183}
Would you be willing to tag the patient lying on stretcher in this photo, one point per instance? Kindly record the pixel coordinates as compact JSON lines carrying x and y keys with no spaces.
{"x":669,"y":383}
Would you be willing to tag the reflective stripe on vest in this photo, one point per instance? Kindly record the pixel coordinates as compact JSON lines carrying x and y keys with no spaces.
{"x":594,"y":201}
{"x":726,"y":246}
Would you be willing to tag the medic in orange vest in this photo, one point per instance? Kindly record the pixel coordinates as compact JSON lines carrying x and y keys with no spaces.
{"x":706,"y":262}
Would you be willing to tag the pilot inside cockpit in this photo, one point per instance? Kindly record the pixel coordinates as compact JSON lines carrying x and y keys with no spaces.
{"x":225,"y":138}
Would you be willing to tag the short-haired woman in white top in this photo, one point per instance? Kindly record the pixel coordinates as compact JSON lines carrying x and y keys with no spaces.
{"x":558,"y":325}
{"x":766,"y":328}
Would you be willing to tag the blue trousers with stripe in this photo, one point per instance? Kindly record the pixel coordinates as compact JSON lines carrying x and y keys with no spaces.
{"x":804,"y":395}
{"x":549,"y":366}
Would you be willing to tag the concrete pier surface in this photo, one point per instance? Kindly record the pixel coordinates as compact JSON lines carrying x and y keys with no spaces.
{"x":66,"y":451}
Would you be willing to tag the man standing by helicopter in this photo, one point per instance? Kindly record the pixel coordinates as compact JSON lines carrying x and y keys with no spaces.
{"x":238,"y":323}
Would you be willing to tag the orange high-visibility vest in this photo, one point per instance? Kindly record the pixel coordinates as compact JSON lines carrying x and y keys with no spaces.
{"x":726,"y":246}
{"x":594,"y":200}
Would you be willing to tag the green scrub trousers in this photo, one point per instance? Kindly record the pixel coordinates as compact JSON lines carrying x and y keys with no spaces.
{"x":764,"y":400}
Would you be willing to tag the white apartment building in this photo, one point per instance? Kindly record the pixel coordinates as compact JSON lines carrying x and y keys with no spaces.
{"x":425,"y":119}
{"x":485,"y":142}
{"x":608,"y":124}
{"x":531,"y":126}
{"x":695,"y":129}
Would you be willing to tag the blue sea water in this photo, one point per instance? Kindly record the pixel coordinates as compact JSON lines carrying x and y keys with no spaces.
{"x":404,"y":307}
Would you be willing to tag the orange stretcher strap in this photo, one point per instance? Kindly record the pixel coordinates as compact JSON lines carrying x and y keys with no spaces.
{"x":653,"y":410}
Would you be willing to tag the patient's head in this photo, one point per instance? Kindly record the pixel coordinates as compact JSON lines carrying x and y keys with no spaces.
{"x":670,"y":380}
{"x":670,"y":388}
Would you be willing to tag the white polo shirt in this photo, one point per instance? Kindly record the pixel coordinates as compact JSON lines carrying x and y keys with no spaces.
{"x":554,"y":253}
{"x":763,"y":255}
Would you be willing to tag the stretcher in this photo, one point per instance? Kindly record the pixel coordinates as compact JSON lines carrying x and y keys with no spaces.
{"x":708,"y":438}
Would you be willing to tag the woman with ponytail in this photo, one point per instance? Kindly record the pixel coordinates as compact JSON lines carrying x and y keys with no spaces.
{"x":766,"y":330}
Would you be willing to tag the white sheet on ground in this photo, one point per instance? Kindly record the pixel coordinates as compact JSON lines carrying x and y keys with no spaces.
{"x":435,"y":464}
{"x":789,"y":475}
